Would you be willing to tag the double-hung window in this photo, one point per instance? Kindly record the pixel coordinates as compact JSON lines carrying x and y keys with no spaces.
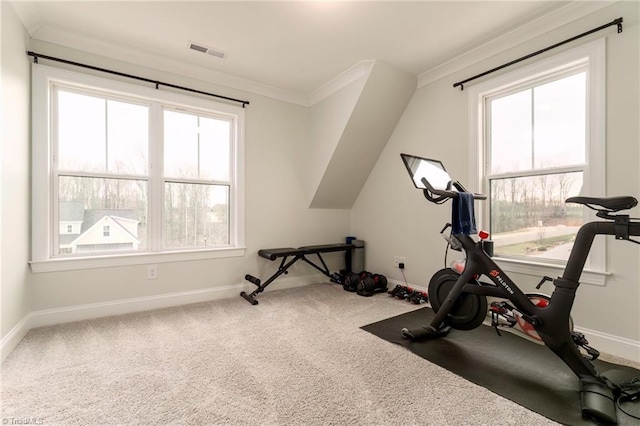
{"x":123,"y":174}
{"x":538,"y":138}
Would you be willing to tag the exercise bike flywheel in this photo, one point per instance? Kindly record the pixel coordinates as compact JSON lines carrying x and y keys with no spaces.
{"x":468,"y":312}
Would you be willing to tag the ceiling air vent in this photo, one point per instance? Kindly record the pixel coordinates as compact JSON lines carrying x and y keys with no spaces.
{"x":208,"y":50}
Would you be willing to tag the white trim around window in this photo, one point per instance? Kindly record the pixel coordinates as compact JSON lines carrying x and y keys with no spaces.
{"x":593,"y":55}
{"x":44,"y":225}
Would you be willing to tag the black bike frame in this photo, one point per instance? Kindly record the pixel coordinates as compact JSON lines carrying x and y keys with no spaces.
{"x":552,"y":321}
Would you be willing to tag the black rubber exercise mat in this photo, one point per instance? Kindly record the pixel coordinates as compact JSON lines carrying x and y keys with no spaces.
{"x":515,"y":368}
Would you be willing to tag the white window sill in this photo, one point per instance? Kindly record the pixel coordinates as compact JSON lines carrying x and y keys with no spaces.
{"x":75,"y":263}
{"x":551,"y":270}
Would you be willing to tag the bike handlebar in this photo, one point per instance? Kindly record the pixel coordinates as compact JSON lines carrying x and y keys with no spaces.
{"x":445,"y":194}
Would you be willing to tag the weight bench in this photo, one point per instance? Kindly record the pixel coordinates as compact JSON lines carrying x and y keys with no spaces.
{"x":290,"y":256}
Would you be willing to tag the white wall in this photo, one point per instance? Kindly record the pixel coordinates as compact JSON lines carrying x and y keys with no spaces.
{"x":329,"y":117}
{"x":379,"y":106}
{"x":395,"y":219}
{"x":277,"y":213}
{"x":15,"y":190}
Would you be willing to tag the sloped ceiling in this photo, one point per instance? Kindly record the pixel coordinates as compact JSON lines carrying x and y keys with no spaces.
{"x":360,"y":119}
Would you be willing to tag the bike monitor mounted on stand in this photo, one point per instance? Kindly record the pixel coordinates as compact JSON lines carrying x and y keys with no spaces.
{"x":431,"y":170}
{"x":431,"y":176}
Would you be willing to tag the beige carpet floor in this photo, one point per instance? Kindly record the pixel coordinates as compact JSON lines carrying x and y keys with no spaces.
{"x":297,"y":358}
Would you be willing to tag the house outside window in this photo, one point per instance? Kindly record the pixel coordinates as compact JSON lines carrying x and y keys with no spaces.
{"x":155,"y":172}
{"x":537,"y":139}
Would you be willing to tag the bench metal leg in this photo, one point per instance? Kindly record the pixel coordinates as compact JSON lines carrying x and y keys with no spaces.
{"x":282,"y":269}
{"x":325,"y":271}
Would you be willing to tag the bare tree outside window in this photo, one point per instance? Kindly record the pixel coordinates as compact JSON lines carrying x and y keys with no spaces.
{"x":197,"y":180}
{"x":537,"y":148}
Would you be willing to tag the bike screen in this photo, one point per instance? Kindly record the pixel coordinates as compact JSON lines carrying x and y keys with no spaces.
{"x":432,"y":170}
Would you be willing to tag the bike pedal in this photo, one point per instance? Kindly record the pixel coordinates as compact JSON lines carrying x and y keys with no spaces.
{"x":593,"y":352}
{"x":581,"y":341}
{"x":498,"y":308}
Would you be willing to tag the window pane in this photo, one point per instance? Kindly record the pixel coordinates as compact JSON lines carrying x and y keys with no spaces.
{"x":196,"y":147}
{"x":196,"y":215}
{"x":103,"y":214}
{"x":180,"y":145}
{"x":128,"y":138}
{"x":81,"y":132}
{"x":511,"y":148}
{"x":99,"y":135}
{"x":529,"y":216}
{"x":215,"y":141}
{"x":560,"y":122}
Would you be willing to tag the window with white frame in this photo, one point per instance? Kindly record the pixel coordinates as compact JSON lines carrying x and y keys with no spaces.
{"x":140,"y":171}
{"x":538,"y":138}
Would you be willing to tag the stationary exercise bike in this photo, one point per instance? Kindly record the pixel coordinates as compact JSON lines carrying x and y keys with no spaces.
{"x":459,"y":298}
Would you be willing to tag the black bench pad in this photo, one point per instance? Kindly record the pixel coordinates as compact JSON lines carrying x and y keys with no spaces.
{"x":326,"y":248}
{"x":273,"y":254}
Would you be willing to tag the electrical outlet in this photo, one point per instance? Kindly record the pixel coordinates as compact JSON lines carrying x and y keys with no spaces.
{"x":397,"y":260}
{"x":152,"y":272}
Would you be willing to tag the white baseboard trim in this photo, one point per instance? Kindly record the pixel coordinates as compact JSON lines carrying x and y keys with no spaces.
{"x":126,"y":306}
{"x":611,"y":344}
{"x":15,"y":335}
{"x":49,"y":317}
{"x":168,"y":300}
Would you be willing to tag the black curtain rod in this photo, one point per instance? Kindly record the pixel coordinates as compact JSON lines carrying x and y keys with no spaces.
{"x":617,"y":22}
{"x":148,"y":80}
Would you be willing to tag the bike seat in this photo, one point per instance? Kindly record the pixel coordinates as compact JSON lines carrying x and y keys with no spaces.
{"x":612,"y":204}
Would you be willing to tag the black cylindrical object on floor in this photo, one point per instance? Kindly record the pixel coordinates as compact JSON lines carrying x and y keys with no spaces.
{"x":357,"y":256}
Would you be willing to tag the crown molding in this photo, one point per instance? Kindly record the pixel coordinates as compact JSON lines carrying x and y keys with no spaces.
{"x":28,"y":14}
{"x":69,"y":39}
{"x":40,"y":31}
{"x":352,"y":74}
{"x":544,"y":24}
{"x":153,"y":60}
